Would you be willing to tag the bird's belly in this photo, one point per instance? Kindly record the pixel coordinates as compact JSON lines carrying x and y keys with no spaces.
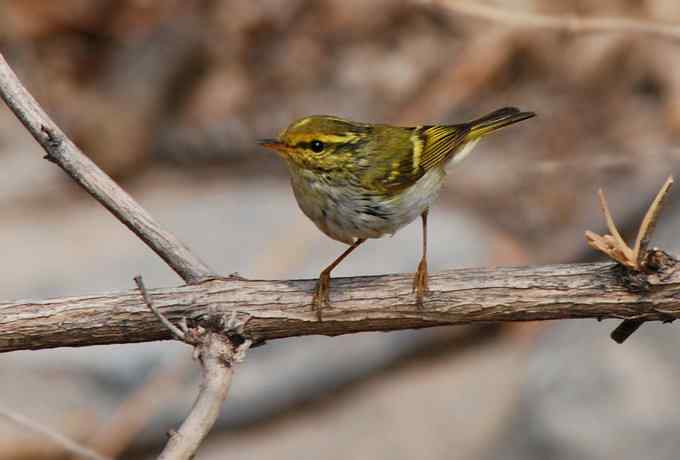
{"x":347,"y":213}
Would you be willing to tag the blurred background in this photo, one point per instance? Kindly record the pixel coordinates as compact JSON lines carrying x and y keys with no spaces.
{"x":168,"y":98}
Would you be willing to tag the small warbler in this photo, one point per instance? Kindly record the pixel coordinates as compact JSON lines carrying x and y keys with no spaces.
{"x":357,"y":180}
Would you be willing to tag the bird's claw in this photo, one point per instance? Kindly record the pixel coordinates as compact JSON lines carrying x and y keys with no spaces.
{"x":420,"y":283}
{"x":321,"y":298}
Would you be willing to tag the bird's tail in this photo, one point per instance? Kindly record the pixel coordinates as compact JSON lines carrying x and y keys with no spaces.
{"x":494,"y":121}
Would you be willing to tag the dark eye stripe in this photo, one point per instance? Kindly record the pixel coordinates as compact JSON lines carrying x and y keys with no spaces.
{"x":315,"y":146}
{"x":310,"y":145}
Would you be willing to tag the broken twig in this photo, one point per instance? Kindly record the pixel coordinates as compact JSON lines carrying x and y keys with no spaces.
{"x":638,"y":259}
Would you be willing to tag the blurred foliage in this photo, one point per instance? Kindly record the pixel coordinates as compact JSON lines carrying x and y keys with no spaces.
{"x":198,"y":81}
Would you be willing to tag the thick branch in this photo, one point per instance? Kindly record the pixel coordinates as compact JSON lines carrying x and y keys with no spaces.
{"x":61,"y":150}
{"x":282,"y":308}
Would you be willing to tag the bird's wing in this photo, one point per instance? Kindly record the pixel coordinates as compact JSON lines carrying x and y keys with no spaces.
{"x":441,"y":143}
{"x":437,"y":145}
{"x":412,"y":152}
{"x":415,"y":151}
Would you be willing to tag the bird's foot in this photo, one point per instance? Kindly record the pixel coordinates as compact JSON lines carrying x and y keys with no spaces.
{"x":321,"y":298}
{"x":420,"y":283}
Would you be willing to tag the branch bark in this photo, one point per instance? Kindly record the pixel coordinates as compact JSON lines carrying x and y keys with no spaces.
{"x":279,"y":309}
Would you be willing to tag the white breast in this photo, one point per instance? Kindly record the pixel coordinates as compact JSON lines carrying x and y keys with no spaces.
{"x":347,"y":213}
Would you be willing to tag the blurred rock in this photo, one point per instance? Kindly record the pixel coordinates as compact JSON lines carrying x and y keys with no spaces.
{"x":586,"y":397}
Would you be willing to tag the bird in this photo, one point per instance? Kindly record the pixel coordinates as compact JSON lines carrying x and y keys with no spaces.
{"x":358,"y":181}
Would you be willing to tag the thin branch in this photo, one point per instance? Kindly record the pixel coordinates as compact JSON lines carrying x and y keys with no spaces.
{"x":280,"y":309}
{"x":62,"y":151}
{"x":174,"y":330}
{"x":67,"y":444}
{"x":562,"y":23}
{"x":217,"y":356}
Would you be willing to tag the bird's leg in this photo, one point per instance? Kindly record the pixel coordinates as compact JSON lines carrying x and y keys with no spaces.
{"x":323,"y":285}
{"x":420,"y":280}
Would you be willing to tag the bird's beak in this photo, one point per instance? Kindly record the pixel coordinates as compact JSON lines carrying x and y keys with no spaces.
{"x":273,"y":144}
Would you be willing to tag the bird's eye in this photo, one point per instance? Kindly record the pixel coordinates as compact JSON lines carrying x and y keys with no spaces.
{"x":316,"y":146}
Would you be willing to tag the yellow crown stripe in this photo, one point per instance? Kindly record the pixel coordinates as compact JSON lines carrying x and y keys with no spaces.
{"x":301,"y":123}
{"x":328,"y":138}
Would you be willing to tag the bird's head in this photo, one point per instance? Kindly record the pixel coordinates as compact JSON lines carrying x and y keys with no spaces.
{"x":320,"y":142}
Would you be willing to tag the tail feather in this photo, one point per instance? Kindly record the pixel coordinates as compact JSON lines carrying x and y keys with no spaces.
{"x":494,"y":121}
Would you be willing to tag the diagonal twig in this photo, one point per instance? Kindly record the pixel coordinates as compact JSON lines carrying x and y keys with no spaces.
{"x":214,"y":350}
{"x":62,"y":151}
{"x":562,"y":23}
{"x":174,"y":330}
{"x":66,"y":443}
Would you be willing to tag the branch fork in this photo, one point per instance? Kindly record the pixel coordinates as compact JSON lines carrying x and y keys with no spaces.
{"x":217,"y":351}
